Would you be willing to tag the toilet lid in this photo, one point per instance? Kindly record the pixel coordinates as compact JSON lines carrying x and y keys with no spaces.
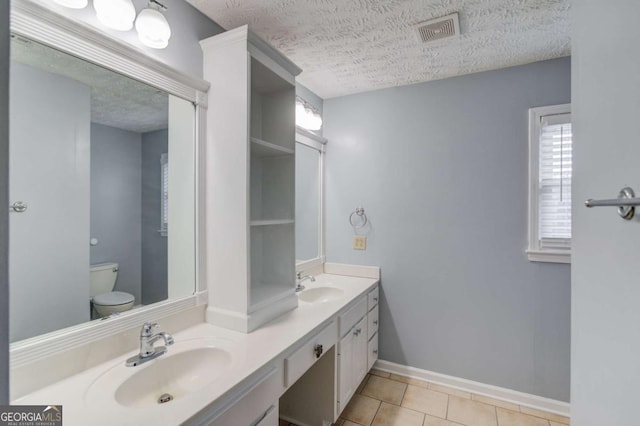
{"x":113,"y":298}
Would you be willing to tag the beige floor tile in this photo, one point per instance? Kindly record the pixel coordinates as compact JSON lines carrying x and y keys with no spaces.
{"x":361,"y":409}
{"x":435,"y":421}
{"x":392,"y":415}
{"x":514,"y":418}
{"x":364,"y":382}
{"x":558,"y":424}
{"x":348,"y":423}
{"x":409,"y":380}
{"x":450,"y":391}
{"x":496,"y":402}
{"x":384,"y":389}
{"x":426,"y":401}
{"x":471,"y":413}
{"x":379,"y":373}
{"x":544,"y":415}
{"x":340,"y":422}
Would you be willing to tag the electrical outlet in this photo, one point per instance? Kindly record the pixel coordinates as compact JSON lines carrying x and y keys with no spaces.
{"x":359,"y":242}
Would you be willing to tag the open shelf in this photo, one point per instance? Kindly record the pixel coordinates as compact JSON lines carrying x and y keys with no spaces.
{"x":271,"y":222}
{"x":263,"y":149}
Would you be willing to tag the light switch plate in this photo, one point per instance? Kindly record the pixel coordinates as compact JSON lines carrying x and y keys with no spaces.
{"x":359,"y":242}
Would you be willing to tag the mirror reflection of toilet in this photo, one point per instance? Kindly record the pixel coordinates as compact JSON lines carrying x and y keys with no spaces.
{"x":104,"y":300}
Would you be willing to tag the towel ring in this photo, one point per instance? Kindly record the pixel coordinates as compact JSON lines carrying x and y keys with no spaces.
{"x":360,"y":213}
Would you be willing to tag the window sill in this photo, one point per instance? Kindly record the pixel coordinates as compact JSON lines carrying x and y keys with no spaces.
{"x":549,"y":256}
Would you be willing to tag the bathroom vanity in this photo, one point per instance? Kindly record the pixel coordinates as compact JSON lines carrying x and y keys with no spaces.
{"x":226,"y":378}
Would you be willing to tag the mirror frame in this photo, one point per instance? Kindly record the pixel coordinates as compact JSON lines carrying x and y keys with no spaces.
{"x":44,"y":26}
{"x":318,"y":143}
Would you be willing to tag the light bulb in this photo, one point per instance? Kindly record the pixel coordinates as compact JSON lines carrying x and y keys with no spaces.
{"x":153,"y":29}
{"x":72,"y":4}
{"x":315,"y":122}
{"x":115,"y":14}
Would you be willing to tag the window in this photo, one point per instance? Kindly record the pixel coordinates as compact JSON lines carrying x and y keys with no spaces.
{"x":550,"y":170}
{"x":164,"y":195}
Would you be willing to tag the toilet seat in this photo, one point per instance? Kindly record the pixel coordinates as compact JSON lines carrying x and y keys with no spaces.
{"x":113,"y":298}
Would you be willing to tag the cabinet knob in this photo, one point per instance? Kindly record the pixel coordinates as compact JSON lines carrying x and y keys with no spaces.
{"x":375,"y":322}
{"x":375,"y":351}
{"x":317,"y":350}
{"x":375,"y":299}
{"x":357,"y":331}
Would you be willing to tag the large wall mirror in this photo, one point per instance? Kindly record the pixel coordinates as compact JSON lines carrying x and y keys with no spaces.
{"x":309,"y":178}
{"x":102,"y":192}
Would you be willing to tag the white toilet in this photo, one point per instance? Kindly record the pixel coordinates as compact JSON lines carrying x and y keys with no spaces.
{"x":104,"y":300}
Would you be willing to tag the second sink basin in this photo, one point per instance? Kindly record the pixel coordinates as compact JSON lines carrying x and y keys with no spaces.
{"x":320,"y":294}
{"x":173,"y":375}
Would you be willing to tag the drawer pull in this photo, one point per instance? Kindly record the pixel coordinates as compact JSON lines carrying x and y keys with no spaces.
{"x":375,"y":351}
{"x":375,"y":322}
{"x":357,"y":331}
{"x":317,"y":350}
{"x":375,"y":299}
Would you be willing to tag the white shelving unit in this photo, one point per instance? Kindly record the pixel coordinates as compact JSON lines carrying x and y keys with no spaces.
{"x":250,"y":179}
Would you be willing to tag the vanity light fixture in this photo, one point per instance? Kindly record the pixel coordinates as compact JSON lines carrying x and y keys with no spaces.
{"x":115,"y":14}
{"x":307,"y":116}
{"x":72,"y":4}
{"x":153,"y":29}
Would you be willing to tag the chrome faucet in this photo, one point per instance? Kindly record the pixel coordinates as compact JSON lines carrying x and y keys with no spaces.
{"x":299,"y":286}
{"x":149,"y":352}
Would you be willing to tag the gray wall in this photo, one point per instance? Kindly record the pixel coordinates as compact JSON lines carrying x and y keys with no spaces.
{"x":154,"y":245}
{"x":115,"y":203}
{"x":605,"y":288}
{"x":4,"y":200}
{"x":188,"y":26}
{"x":441,"y":169}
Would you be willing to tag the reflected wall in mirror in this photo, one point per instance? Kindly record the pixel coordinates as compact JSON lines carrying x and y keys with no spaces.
{"x":105,"y":167}
{"x":308,"y":207}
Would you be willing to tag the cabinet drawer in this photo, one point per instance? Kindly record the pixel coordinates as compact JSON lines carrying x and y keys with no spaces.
{"x":352,"y":316}
{"x":372,"y":323}
{"x":301,"y":360}
{"x":373,"y":297}
{"x":255,"y":405}
{"x":372,"y":353}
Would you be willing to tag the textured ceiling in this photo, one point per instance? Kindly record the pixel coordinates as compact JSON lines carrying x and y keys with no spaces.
{"x":350,"y":46}
{"x":116,"y":100}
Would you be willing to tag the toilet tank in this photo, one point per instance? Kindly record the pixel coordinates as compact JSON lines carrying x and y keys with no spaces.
{"x":102,"y":277}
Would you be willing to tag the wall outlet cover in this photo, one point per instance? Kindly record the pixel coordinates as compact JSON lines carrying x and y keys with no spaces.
{"x":359,"y":242}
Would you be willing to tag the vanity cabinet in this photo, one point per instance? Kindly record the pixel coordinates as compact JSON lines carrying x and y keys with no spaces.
{"x":250,"y":180}
{"x":358,"y":346}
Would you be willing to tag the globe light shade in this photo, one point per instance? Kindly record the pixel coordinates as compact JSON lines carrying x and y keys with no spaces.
{"x":115,"y":14}
{"x":72,"y":4}
{"x":153,"y":29}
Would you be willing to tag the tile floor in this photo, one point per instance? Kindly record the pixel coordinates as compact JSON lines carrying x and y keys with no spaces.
{"x":384,"y":399}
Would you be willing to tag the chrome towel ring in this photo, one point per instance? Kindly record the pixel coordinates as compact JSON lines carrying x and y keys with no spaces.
{"x":358,"y":213}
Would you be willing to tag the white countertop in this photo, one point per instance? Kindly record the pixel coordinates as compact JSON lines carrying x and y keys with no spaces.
{"x":84,"y":404}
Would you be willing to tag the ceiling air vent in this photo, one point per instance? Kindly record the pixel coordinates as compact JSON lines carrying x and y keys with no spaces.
{"x":435,"y":29}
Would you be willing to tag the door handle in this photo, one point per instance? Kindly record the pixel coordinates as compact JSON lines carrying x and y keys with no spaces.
{"x":18,"y":207}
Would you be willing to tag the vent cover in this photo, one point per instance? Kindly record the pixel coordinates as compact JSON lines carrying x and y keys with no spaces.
{"x":436,"y":29}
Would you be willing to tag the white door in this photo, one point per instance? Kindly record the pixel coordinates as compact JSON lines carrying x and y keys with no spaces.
{"x":605,"y":332}
{"x":346,"y":388}
{"x":49,"y":171}
{"x":360,"y":347}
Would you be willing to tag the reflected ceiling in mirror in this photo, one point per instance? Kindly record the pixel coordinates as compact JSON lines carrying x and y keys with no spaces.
{"x":97,"y":158}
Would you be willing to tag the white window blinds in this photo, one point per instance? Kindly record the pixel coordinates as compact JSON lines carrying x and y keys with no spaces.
{"x":554,"y":179}
{"x":164,"y":196}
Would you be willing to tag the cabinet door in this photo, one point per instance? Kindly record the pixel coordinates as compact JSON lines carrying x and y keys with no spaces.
{"x":346,"y":386}
{"x":373,"y":351}
{"x":359,"y":354}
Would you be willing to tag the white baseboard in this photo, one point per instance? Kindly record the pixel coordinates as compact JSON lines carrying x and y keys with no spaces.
{"x":503,"y":394}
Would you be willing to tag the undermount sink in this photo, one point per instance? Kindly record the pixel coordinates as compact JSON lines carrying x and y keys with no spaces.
{"x":186,"y":368}
{"x":320,"y":294}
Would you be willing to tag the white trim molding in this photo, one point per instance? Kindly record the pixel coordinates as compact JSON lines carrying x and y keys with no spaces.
{"x":477,"y":388}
